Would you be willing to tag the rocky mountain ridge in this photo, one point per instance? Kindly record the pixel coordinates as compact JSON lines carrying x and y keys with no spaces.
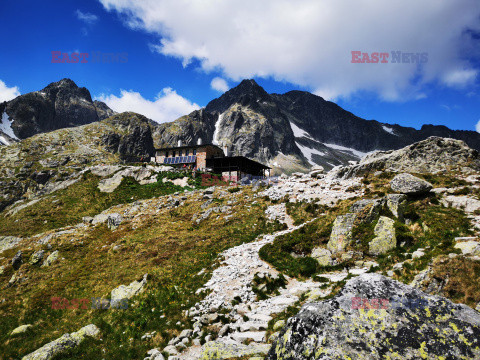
{"x":59,"y":105}
{"x":295,"y":130}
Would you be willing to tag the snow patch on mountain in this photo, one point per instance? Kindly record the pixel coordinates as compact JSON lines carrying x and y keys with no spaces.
{"x":6,"y":126}
{"x":216,"y":133}
{"x":297,"y":132}
{"x":389,"y":130}
{"x":358,"y":154}
{"x":309,"y":152}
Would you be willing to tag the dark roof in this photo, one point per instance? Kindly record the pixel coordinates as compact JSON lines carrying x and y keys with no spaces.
{"x":235,"y":162}
{"x":187,"y":147}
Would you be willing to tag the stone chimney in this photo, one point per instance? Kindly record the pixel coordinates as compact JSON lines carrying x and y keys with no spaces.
{"x":179,"y":143}
{"x":199,"y":141}
{"x":225,"y":149}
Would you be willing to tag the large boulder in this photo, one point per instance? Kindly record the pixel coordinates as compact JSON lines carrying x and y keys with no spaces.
{"x":341,"y":233}
{"x":410,"y":185}
{"x":385,"y":238}
{"x":375,"y":317}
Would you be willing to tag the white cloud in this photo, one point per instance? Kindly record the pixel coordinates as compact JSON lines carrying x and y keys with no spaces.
{"x":86,"y":17}
{"x":309,"y":42}
{"x":219,"y":84}
{"x":7,"y":93}
{"x":168,"y":105}
{"x":477,"y":127}
{"x":460,"y":78}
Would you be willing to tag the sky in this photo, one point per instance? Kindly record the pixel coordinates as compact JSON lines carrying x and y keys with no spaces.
{"x":166,"y":58}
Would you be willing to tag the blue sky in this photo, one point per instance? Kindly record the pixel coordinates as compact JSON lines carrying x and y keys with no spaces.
{"x":175,"y":50}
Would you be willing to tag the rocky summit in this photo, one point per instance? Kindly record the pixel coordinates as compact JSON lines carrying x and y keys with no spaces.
{"x":374,"y":317}
{"x":59,"y":105}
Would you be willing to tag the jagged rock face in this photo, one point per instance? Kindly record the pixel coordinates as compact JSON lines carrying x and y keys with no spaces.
{"x":256,"y":131}
{"x":400,"y":322}
{"x":103,"y":111}
{"x":133,"y":138}
{"x":432,"y":155}
{"x":61,"y":104}
{"x":327,"y":122}
{"x":199,"y":124}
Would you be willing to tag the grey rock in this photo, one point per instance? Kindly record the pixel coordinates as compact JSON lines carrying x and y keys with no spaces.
{"x":279,"y":325}
{"x":53,"y":257}
{"x":17,"y":260}
{"x":8,"y":242}
{"x":171,"y":350}
{"x":396,"y":203}
{"x":22,"y":329}
{"x":63,"y":344}
{"x":369,"y":208}
{"x":322,"y":255}
{"x":408,"y":184}
{"x":434,"y":154}
{"x":114,"y":220}
{"x":320,"y":330}
{"x":385,"y":238}
{"x":126,"y":292}
{"x":37,"y":257}
{"x":341,"y":233}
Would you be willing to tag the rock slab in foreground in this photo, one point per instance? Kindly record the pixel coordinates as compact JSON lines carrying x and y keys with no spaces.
{"x":63,"y":344}
{"x":413,"y":325}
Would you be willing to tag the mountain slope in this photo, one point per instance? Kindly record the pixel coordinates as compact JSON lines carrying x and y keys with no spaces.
{"x":293,"y":131}
{"x":26,"y":166}
{"x":59,"y":105}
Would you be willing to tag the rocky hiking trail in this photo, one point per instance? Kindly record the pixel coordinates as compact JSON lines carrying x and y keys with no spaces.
{"x":231,"y":282}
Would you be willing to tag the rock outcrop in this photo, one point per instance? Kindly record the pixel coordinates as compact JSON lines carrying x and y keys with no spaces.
{"x":374,"y":317}
{"x":433,"y":155}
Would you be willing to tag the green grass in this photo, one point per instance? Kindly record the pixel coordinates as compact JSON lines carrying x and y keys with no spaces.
{"x":301,"y":242}
{"x":68,"y":206}
{"x":171,"y":250}
{"x":301,"y":212}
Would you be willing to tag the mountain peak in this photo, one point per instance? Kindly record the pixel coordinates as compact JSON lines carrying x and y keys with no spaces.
{"x":245,"y":93}
{"x":64,"y":83}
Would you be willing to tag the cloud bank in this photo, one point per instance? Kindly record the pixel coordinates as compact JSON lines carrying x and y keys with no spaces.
{"x":309,"y":42}
{"x":167,"y":106}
